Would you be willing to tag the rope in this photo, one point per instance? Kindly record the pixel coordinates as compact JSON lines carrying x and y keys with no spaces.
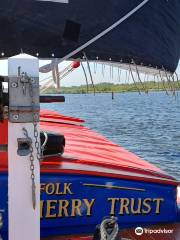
{"x":137,"y":71}
{"x":90,"y":74}
{"x":47,"y":68}
{"x":139,"y":91}
{"x":163,"y":82}
{"x":105,"y":235}
{"x":85,"y":75}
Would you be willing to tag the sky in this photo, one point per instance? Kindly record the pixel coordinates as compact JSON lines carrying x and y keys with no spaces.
{"x":77,"y":78}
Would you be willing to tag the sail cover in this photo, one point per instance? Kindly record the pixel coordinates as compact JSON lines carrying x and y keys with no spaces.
{"x":54,"y":28}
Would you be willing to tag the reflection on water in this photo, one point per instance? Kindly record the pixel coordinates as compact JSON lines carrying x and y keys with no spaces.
{"x":148,"y":125}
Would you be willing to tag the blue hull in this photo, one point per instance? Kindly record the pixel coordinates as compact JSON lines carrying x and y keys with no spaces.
{"x":72,"y":204}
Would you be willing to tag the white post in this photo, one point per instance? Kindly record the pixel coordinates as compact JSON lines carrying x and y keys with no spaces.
{"x":24,"y":220}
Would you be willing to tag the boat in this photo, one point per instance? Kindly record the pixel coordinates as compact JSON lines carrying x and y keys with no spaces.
{"x":103,"y":179}
{"x":85,"y":184}
{"x":95,"y":178}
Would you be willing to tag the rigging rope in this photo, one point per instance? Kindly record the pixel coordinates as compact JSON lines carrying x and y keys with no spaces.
{"x":85,"y":75}
{"x":47,"y":68}
{"x":137,"y":71}
{"x":104,"y":227}
{"x":139,"y":91}
{"x":89,"y":69}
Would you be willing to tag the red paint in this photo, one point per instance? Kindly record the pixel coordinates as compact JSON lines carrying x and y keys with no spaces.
{"x":51,"y":116}
{"x":109,"y":175}
{"x":88,"y":148}
{"x":84,"y":146}
{"x":75,"y":64}
{"x":3,"y":140}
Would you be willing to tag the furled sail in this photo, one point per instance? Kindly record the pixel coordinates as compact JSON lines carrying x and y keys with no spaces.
{"x":145,"y":32}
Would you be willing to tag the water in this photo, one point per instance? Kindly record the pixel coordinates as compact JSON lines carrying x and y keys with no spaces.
{"x":148,"y":125}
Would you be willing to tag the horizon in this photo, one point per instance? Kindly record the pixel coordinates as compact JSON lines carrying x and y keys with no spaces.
{"x":77,"y":78}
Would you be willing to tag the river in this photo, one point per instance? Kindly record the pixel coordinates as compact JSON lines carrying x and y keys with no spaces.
{"x":148,"y":125}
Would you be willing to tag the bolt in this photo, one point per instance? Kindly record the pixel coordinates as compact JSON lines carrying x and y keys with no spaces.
{"x":33,"y":80}
{"x":14,"y":85}
{"x":16,"y":117}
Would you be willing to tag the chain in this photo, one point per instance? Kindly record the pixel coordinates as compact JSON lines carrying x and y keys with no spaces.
{"x":32,"y":168}
{"x":35,"y":122}
{"x":35,"y":118}
{"x":37,"y":143}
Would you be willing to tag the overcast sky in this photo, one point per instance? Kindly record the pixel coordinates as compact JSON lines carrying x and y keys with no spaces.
{"x":77,"y":78}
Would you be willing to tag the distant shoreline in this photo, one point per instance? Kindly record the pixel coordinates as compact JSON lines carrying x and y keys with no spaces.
{"x":117,"y":88}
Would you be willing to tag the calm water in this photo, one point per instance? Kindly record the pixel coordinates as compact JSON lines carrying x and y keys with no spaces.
{"x":148,"y":125}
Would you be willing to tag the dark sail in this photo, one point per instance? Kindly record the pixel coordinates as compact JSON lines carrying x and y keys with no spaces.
{"x":151,"y":36}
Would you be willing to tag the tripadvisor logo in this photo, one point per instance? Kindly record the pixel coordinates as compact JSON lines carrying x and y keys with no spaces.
{"x":139,"y":231}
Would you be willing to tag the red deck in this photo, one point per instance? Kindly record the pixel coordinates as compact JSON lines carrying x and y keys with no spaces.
{"x":89,"y":152}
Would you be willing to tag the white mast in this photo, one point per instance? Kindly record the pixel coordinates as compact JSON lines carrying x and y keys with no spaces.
{"x":23,"y":174}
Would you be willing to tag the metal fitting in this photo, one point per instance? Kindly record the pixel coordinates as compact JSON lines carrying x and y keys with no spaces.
{"x":14,"y":85}
{"x":16,"y":117}
{"x":1,"y":221}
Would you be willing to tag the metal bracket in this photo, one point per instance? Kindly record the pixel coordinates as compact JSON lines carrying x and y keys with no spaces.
{"x":21,"y":91}
{"x":1,"y":220}
{"x":24,"y":145}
